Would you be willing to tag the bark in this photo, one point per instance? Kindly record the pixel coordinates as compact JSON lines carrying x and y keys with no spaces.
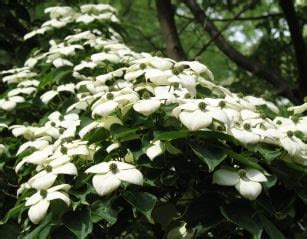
{"x":297,"y":42}
{"x":258,"y":69}
{"x":166,"y":16}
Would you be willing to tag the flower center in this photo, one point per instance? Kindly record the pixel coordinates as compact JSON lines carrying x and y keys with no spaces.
{"x":290,"y":133}
{"x":146,"y":95}
{"x":278,"y":122}
{"x":53,"y":124}
{"x":48,"y":168}
{"x":113,"y":167}
{"x":177,"y":70}
{"x":202,"y":105}
{"x":220,"y":128}
{"x":295,"y":118}
{"x":142,"y":66}
{"x":110,"y":96}
{"x":242,"y":173}
{"x":61,"y":117}
{"x":54,"y":88}
{"x":246,"y":126}
{"x":61,"y":130}
{"x":43,"y":193}
{"x":176,"y":85}
{"x":63,"y":150}
{"x":222,"y":104}
{"x":159,"y":54}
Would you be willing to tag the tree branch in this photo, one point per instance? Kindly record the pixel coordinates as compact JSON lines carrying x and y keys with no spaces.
{"x":223,"y":29}
{"x":166,"y":16}
{"x":298,"y":43}
{"x":256,"y":68}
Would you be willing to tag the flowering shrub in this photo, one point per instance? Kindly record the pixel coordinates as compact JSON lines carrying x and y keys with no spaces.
{"x":110,"y":143}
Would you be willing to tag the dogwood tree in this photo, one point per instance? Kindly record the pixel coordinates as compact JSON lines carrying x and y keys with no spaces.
{"x":106,"y":142}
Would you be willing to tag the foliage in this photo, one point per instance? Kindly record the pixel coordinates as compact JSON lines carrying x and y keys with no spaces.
{"x":99,"y":141}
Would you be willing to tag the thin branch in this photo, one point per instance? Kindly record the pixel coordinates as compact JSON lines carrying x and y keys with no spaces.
{"x":166,"y":15}
{"x":258,"y":69}
{"x":296,"y":32}
{"x":247,"y":7}
{"x":252,"y":18}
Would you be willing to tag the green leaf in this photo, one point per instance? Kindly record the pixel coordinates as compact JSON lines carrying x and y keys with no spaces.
{"x":42,"y":230}
{"x":97,"y":135}
{"x":122,"y":134}
{"x":79,"y":223}
{"x":143,"y":202}
{"x":271,"y":229}
{"x":242,"y":216}
{"x":104,"y":210}
{"x":242,"y":159}
{"x":171,"y":148}
{"x":11,"y":213}
{"x":171,"y":135}
{"x":209,"y":154}
{"x":54,"y":76}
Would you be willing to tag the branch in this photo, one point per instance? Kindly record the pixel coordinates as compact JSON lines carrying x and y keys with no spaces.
{"x":256,"y":68}
{"x":252,"y":18}
{"x":298,"y":43}
{"x":223,"y":29}
{"x":166,"y":17}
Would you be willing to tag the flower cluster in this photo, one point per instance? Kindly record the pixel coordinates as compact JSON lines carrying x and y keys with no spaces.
{"x":103,"y":82}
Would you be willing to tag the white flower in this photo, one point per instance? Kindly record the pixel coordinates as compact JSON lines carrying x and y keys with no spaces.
{"x":298,"y":109}
{"x":259,"y":101}
{"x":112,"y":147}
{"x":58,"y":12}
{"x":21,"y":90}
{"x":105,"y":56}
{"x":155,"y":150}
{"x":45,"y":178}
{"x":60,"y":62}
{"x":49,"y":95}
{"x":40,"y":201}
{"x":39,"y":31}
{"x":147,"y":106}
{"x":245,"y":136}
{"x":193,"y":116}
{"x":108,"y":176}
{"x":10,"y":103}
{"x":37,"y":157}
{"x":247,"y":182}
{"x":37,"y":144}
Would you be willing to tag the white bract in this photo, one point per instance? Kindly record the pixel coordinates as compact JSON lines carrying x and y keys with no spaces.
{"x":109,"y":175}
{"x":40,"y":201}
{"x":247,"y":182}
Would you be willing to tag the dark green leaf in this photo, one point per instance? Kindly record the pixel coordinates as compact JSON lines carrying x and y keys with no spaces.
{"x":79,"y":223}
{"x":104,"y":210}
{"x":98,"y":135}
{"x":143,"y":202}
{"x":271,"y":229}
{"x":243,"y":217}
{"x":210,"y":155}
{"x":171,"y":135}
{"x":42,"y":230}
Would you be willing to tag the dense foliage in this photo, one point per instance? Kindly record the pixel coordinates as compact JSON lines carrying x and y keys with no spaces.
{"x":99,"y":141}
